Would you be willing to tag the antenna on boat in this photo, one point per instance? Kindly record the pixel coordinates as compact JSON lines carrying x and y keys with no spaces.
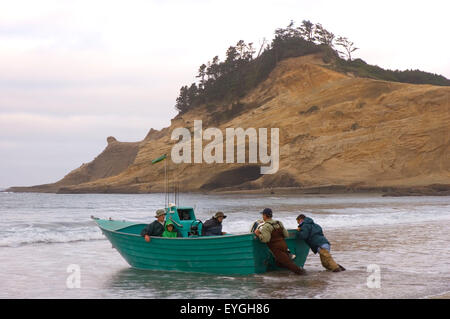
{"x":166,"y":179}
{"x":175,"y":187}
{"x":177,"y":192}
{"x":166,"y":186}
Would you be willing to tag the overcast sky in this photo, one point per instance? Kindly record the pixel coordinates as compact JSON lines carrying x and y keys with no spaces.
{"x":74,"y":72}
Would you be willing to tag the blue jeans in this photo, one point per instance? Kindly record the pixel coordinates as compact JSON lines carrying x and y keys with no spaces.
{"x":325,"y":246}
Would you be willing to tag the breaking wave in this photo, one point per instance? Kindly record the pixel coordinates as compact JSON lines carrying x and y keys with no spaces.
{"x":45,"y":234}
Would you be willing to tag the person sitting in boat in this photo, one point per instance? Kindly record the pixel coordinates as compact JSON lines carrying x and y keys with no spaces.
{"x":213,"y":226}
{"x":313,"y":235}
{"x":170,"y":231}
{"x":157,"y":227}
{"x":273,"y":233}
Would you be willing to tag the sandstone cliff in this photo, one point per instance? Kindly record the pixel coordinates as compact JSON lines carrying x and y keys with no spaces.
{"x":337,"y":132}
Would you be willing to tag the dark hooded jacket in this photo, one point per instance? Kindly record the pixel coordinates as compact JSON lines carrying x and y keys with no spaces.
{"x":212,"y":227}
{"x":312,"y":234}
{"x":153,"y":229}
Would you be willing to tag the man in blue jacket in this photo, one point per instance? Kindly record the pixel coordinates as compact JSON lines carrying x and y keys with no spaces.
{"x":313,"y":235}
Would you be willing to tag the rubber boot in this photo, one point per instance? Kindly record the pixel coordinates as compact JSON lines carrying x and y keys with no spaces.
{"x":328,"y":261}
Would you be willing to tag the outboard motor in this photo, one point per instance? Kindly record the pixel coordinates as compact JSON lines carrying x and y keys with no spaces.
{"x":195,"y":227}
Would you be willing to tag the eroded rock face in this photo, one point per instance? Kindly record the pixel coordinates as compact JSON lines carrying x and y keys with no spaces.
{"x":336,"y":132}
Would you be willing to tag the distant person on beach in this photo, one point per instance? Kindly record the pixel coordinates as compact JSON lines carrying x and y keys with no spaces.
{"x":273,"y":233}
{"x":313,"y":235}
{"x":213,"y":226}
{"x":157,"y":227}
{"x":170,"y":231}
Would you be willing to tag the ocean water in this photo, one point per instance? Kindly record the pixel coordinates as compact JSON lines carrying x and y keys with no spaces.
{"x":392,"y":247}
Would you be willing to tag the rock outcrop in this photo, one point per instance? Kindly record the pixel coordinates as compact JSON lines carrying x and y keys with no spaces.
{"x":115,"y":158}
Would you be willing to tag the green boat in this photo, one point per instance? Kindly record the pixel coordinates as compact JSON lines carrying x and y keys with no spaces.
{"x":240,"y":254}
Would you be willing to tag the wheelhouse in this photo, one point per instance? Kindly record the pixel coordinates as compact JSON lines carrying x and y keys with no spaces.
{"x":184,"y":220}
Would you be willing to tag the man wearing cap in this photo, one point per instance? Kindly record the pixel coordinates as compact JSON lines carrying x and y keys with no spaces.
{"x":213,"y":226}
{"x":273,"y":233}
{"x":313,"y":235}
{"x":157,"y":227}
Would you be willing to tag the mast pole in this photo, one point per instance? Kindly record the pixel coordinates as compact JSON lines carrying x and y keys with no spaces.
{"x":166,"y":199}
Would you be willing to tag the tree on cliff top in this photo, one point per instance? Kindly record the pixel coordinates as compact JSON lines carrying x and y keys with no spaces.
{"x":229,"y":80}
{"x":348,"y":47}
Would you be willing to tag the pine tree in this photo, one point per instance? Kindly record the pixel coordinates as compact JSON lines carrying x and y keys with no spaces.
{"x":323,"y":36}
{"x":307,"y":30}
{"x":182,"y":103}
{"x":347,"y":45}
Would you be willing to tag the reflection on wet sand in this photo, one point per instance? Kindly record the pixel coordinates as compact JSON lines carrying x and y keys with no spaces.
{"x":174,"y":285}
{"x":160,"y":284}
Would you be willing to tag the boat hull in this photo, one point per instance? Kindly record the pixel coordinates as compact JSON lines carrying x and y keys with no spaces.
{"x":230,"y":254}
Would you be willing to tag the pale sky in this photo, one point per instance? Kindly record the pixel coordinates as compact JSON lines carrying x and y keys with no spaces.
{"x":75,"y":72}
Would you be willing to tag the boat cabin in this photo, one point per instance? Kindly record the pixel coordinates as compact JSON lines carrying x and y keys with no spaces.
{"x":184,"y":220}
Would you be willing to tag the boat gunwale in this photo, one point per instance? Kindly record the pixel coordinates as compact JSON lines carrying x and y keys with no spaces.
{"x":171,"y":238}
{"x":180,"y":238}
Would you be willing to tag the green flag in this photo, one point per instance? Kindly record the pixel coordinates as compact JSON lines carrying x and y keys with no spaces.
{"x":159,"y":159}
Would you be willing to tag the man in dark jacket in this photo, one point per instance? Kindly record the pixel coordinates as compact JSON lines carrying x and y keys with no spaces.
{"x":157,"y":227}
{"x":213,"y":226}
{"x":313,"y":235}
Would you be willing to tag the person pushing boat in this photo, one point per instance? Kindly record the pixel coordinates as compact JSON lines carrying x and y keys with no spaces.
{"x":273,"y":233}
{"x":313,"y":235}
